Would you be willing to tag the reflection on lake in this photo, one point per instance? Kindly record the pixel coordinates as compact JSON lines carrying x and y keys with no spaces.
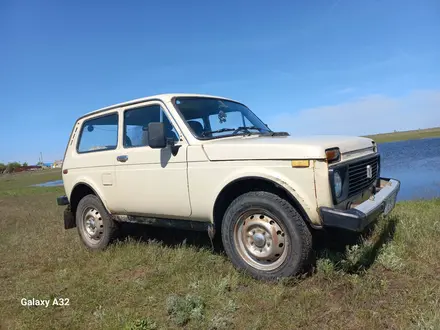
{"x":416,"y":163}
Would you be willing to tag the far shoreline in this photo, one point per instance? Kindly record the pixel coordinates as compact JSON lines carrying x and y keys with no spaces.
{"x":406,"y":135}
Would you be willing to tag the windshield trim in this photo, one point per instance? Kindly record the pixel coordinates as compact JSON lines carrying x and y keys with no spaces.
{"x":173,"y":101}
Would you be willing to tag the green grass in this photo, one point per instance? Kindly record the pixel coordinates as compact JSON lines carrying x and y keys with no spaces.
{"x":406,"y":135}
{"x":389,"y":279}
{"x":18,"y":183}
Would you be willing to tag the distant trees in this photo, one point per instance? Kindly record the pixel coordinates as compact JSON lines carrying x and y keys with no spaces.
{"x":10,"y":167}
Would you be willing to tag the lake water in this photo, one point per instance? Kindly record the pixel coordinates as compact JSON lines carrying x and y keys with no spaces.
{"x":416,"y":163}
{"x":55,"y":183}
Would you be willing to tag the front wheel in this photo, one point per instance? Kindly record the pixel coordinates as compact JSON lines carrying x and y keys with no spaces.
{"x":95,"y":226}
{"x":264,"y":235}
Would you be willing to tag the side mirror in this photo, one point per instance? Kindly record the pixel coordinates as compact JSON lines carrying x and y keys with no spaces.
{"x":156,"y":136}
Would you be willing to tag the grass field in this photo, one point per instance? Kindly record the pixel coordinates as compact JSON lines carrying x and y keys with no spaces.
{"x":407,"y":135}
{"x":156,"y":280}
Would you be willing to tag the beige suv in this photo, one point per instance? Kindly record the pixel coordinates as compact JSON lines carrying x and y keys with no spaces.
{"x":210,"y":164}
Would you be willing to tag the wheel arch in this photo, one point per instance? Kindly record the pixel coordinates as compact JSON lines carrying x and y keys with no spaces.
{"x":249,"y":183}
{"x":80,"y":190}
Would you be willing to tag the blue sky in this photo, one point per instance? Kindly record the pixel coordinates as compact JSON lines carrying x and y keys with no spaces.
{"x":295,"y":63}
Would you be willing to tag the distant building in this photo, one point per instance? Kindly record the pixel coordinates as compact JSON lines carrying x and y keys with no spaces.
{"x":57,"y":164}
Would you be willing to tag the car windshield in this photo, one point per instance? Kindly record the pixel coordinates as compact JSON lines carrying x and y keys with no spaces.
{"x":211,"y":118}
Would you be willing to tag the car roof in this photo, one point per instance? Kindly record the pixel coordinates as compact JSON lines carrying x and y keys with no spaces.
{"x":160,"y":97}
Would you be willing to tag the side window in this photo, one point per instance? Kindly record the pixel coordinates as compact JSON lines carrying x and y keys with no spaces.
{"x":136,"y":125}
{"x":99,"y":134}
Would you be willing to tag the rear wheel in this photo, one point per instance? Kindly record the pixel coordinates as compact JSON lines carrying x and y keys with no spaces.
{"x":264,"y":235}
{"x":95,"y":226}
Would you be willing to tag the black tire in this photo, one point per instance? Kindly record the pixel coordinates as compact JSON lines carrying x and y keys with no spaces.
{"x":91,"y":207}
{"x":288,"y":223}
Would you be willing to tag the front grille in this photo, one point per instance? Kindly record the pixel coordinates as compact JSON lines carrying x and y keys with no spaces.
{"x":358,"y":178}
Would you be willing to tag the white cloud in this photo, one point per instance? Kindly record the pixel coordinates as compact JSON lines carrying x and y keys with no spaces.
{"x":346,"y":90}
{"x":367,"y":115}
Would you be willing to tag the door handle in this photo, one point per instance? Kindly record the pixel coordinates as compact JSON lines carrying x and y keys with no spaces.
{"x":122,"y":158}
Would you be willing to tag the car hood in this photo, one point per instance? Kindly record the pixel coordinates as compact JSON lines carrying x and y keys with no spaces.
{"x":283,"y":147}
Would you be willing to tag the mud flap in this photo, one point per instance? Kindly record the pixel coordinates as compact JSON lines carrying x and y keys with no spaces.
{"x":69,"y":218}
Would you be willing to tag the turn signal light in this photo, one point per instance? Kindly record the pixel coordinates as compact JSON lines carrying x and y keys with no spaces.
{"x":332,"y":155}
{"x":300,"y":163}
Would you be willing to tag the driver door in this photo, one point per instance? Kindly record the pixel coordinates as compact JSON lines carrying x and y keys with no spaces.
{"x":150,"y":182}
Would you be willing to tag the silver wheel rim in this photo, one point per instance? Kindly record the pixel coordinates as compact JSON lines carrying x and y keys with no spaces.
{"x":93,"y":226}
{"x":261,"y":240}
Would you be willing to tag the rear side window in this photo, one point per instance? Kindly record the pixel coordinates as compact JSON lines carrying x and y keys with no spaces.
{"x":99,"y":134}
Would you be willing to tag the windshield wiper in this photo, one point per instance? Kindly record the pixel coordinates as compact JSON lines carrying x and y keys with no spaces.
{"x":219,"y":131}
{"x":271,"y":133}
{"x":246,"y":129}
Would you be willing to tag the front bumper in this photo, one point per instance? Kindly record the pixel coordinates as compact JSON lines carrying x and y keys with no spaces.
{"x":360,"y":216}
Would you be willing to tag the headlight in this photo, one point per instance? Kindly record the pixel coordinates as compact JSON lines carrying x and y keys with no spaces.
{"x":338,"y":184}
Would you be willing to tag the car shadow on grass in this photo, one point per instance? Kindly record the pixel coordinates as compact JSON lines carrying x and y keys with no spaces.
{"x":345,"y":251}
{"x":169,"y":237}
{"x":351,"y":252}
